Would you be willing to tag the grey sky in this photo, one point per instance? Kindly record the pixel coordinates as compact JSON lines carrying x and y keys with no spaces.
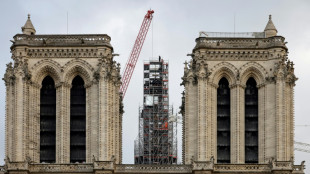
{"x":176,"y":24}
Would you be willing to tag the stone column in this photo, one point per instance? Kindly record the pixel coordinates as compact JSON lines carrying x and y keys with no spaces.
{"x":270,"y":121}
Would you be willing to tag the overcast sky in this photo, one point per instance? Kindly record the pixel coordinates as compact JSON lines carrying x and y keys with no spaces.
{"x":175,"y":26}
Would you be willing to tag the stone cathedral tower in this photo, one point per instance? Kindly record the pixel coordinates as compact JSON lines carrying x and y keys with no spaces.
{"x":62,"y":103}
{"x":239,"y":102}
{"x":64,"y":110}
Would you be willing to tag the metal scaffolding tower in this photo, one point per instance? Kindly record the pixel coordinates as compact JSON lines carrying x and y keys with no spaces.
{"x":157,"y":140}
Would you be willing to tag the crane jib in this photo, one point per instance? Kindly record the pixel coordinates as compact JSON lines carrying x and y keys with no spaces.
{"x":135,"y":52}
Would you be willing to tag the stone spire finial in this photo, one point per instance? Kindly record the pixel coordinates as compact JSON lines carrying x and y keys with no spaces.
{"x":28,"y":28}
{"x":270,"y":29}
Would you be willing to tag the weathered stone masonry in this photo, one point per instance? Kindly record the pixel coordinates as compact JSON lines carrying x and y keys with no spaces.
{"x":62,"y":57}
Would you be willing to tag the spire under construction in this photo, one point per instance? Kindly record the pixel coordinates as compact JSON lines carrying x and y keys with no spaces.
{"x":157,"y":141}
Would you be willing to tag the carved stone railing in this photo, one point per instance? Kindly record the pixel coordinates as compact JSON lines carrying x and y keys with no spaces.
{"x":103,"y":165}
{"x":17,"y":166}
{"x":131,"y":168}
{"x":61,"y":168}
{"x":232,"y":43}
{"x":242,"y":167}
{"x":298,"y":169}
{"x":282,"y":165}
{"x":2,"y":169}
{"x":203,"y":165}
{"x":62,"y":40}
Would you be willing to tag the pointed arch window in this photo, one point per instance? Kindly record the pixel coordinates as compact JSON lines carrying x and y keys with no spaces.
{"x":251,"y":121}
{"x":48,"y":121}
{"x":223,"y":122}
{"x":78,"y":121}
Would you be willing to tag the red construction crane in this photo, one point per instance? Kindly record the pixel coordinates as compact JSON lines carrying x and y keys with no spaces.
{"x":135,"y":52}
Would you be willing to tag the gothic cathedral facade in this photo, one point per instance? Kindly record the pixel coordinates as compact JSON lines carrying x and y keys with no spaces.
{"x":64,"y":110}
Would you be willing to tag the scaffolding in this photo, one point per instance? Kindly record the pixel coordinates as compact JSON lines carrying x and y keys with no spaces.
{"x":156,"y":142}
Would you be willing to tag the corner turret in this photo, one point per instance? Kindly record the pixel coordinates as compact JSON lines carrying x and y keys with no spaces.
{"x":270,"y":29}
{"x":28,"y":28}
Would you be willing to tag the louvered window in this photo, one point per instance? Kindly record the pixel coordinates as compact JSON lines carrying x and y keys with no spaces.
{"x":223,"y":122}
{"x":48,"y":121}
{"x":78,"y":121}
{"x":251,"y":122}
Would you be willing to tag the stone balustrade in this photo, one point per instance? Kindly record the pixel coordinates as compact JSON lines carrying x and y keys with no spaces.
{"x":2,"y":169}
{"x":59,"y":168}
{"x":62,"y":40}
{"x":242,"y":167}
{"x":237,"y":43}
{"x":132,"y":168}
{"x":298,"y":169}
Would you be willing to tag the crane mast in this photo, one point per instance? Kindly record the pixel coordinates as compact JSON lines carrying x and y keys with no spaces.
{"x":135,"y":52}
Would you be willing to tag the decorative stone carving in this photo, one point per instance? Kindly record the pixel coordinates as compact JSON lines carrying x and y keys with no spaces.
{"x":9,"y":76}
{"x":104,"y":165}
{"x":203,"y":165}
{"x":284,"y":70}
{"x":224,"y":69}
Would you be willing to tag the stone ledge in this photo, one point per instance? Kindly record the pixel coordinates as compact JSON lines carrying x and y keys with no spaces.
{"x":62,"y":40}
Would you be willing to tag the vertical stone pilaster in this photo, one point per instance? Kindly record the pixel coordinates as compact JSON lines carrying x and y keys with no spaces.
{"x":261,"y":124}
{"x":109,"y":121}
{"x":270,"y":121}
{"x":292,"y":123}
{"x":213,"y":115}
{"x":202,"y":117}
{"x":117,"y":123}
{"x":9,"y":107}
{"x":237,"y":123}
{"x":30,"y":123}
{"x":289,"y":121}
{"x":241,"y":110}
{"x":191,"y":124}
{"x":26,"y":120}
{"x":36,"y":122}
{"x":185,"y":149}
{"x":63,"y":120}
{"x":280,"y":118}
{"x":103,"y":95}
{"x":91,"y":108}
{"x":234,"y":124}
{"x":208,"y":121}
{"x":94,"y":121}
{"x":18,"y":123}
